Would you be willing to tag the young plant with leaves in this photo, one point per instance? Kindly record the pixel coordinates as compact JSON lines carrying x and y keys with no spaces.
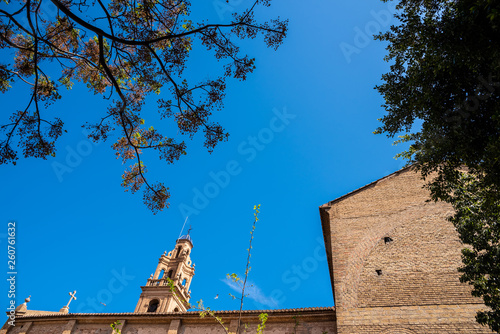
{"x":443,"y":93}
{"x":124,"y":50}
{"x":115,"y":327}
{"x":206,"y":311}
{"x":243,"y":282}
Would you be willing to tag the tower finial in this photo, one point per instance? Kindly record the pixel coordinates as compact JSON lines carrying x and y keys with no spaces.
{"x":21,"y":309}
{"x":189,"y":230}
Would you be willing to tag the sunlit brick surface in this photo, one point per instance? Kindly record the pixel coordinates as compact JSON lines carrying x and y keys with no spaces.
{"x":394,"y":258}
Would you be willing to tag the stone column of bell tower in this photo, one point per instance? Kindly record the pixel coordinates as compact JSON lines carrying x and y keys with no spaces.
{"x":157,"y":296}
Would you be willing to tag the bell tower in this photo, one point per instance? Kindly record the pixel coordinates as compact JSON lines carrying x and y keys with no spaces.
{"x":157,"y":296}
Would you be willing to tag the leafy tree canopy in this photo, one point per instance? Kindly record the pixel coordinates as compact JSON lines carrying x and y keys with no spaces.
{"x":443,"y":92}
{"x":124,"y":50}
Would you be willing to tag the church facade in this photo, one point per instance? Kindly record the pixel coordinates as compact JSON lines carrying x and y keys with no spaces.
{"x":392,"y":257}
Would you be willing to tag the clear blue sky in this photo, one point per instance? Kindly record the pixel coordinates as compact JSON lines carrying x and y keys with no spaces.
{"x":301,"y":135}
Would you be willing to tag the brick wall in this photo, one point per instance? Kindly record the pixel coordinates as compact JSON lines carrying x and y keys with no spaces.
{"x":393,"y":251}
{"x":418,"y":267}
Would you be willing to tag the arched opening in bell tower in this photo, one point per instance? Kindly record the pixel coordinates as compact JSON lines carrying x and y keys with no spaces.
{"x":153,"y":305}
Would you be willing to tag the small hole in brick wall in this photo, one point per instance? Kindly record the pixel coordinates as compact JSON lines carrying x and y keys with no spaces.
{"x":379,"y":271}
{"x":387,"y":239}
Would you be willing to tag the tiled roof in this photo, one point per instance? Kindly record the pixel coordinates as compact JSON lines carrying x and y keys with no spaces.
{"x":188,"y":313}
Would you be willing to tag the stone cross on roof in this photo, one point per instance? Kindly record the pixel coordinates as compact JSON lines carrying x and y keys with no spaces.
{"x":65,"y":309}
{"x":71,"y":298}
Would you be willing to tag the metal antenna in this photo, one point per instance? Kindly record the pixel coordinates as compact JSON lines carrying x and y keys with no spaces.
{"x":183,"y":226}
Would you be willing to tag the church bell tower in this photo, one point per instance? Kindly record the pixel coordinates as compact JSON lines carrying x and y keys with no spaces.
{"x":158,"y":296}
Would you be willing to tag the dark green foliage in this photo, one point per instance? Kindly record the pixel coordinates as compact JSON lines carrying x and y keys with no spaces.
{"x":477,"y":220}
{"x":443,"y":92}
